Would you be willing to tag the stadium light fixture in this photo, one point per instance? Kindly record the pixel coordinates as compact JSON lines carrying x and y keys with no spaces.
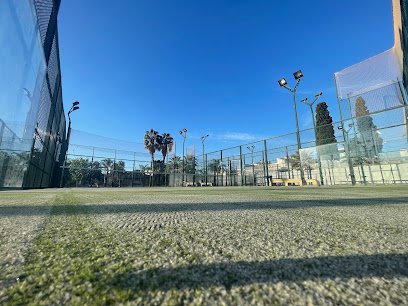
{"x":298,"y":75}
{"x":74,"y":107}
{"x":282,"y":82}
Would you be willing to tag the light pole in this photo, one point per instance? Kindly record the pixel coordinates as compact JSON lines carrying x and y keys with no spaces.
{"x":203,"y":138}
{"x":347,"y":148}
{"x":183,"y":133}
{"x":251,"y":148}
{"x":74,"y":107}
{"x":310,"y":104}
{"x":298,"y":75}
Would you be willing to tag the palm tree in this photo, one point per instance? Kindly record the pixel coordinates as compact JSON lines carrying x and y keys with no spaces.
{"x":120,"y":168}
{"x":151,"y":144}
{"x":108,"y":164}
{"x":175,"y":163}
{"x":215,"y":166}
{"x":165,"y":144}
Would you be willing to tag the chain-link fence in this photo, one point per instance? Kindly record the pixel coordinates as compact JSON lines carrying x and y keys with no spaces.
{"x":367,"y":146}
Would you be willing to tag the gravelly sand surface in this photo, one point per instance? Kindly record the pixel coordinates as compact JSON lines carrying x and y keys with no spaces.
{"x":324,"y":246}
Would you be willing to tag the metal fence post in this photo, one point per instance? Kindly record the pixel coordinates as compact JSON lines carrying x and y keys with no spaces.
{"x":405,"y":101}
{"x":133,"y":172}
{"x":241,"y":165}
{"x":205,"y":171}
{"x":222,"y":169}
{"x":345,"y":138}
{"x":266,"y":163}
{"x":263,"y":168}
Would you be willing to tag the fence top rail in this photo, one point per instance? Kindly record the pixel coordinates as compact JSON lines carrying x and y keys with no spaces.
{"x":372,"y":88}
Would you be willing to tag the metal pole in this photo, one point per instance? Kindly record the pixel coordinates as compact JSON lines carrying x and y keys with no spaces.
{"x":230,"y":170}
{"x":299,"y":145}
{"x":266,"y":163}
{"x":382,"y":175}
{"x":404,"y":100}
{"x":184,"y":163}
{"x":241,"y":165}
{"x":66,"y":150}
{"x":346,"y":140}
{"x":204,"y":166}
{"x":174,"y":164}
{"x":392,"y":173}
{"x":114,"y":164}
{"x":253,"y":168}
{"x":287,"y":160}
{"x":222,"y":169}
{"x":263,"y":168}
{"x":133,"y":172}
{"x":317,"y":150}
{"x":206,"y":160}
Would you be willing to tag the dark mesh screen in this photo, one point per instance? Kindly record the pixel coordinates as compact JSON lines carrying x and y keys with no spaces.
{"x":51,"y":118}
{"x":43,"y":9}
{"x":404,"y":16}
{"x":53,"y":69}
{"x":44,"y":111}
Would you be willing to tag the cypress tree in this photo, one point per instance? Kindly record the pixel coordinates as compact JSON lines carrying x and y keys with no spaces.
{"x":369,"y":137}
{"x":325,"y":132}
{"x":324,"y":125}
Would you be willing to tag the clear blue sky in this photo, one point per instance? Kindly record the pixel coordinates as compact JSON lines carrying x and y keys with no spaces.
{"x":209,"y":66}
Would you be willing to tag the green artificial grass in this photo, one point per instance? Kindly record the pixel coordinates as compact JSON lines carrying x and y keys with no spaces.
{"x":175,"y":246}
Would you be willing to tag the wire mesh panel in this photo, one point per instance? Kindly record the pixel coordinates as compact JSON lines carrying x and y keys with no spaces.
{"x":370,"y":147}
{"x":369,"y":75}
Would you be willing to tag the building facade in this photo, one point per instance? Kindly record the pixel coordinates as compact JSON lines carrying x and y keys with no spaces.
{"x":32,"y":119}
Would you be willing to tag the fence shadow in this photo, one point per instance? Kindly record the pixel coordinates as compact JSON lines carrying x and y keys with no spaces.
{"x":61,"y":209}
{"x":240,"y":273}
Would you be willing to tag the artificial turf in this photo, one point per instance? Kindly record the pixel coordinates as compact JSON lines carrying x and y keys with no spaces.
{"x":210,"y":245}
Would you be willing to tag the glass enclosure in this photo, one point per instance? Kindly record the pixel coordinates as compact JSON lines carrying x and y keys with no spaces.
{"x":22,"y":74}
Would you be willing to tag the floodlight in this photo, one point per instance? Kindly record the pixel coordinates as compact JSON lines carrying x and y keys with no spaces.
{"x":75,"y":108}
{"x":298,"y":75}
{"x":75,"y":103}
{"x":318,"y":95}
{"x":304,"y":100}
{"x":204,"y":137}
{"x":282,"y":82}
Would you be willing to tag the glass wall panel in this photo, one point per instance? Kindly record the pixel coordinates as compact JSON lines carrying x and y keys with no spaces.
{"x":22,"y":73}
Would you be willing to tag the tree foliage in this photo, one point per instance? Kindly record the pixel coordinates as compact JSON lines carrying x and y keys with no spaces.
{"x":165,"y":144}
{"x":325,"y":139}
{"x":369,"y":139}
{"x":324,"y":125}
{"x":151,"y":143}
{"x":78,"y":169}
{"x":191,"y":164}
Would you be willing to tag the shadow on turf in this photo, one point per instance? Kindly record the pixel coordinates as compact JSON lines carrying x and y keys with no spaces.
{"x":60,"y":209}
{"x":240,"y":273}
